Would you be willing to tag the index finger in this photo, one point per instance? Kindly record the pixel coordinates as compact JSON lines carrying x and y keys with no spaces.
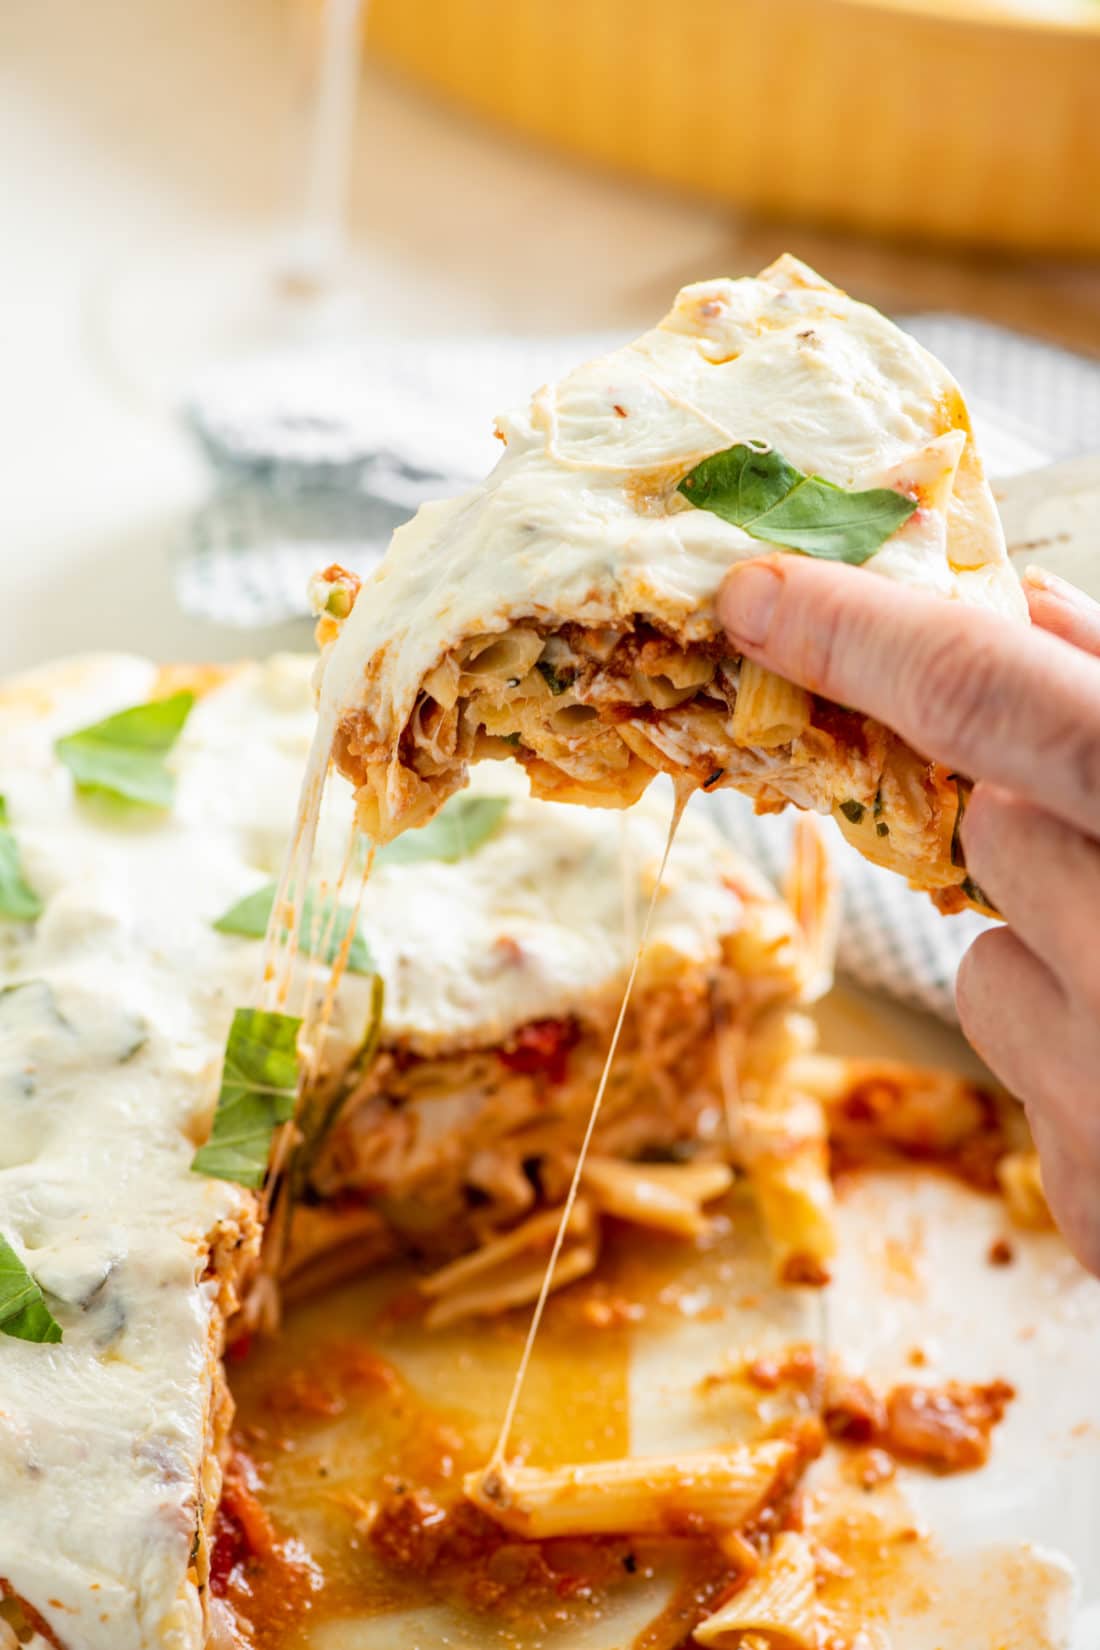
{"x":995,"y":699}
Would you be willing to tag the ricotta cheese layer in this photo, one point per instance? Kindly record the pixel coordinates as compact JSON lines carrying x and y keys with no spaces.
{"x":114,"y":1010}
{"x":580,"y":520}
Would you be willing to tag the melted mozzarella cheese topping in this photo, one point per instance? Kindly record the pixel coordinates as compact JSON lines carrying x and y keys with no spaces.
{"x":113,"y":1025}
{"x":581,"y":521}
{"x":538,"y":922}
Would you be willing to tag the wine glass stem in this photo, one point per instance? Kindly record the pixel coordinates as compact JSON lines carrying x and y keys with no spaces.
{"x":319,"y":245}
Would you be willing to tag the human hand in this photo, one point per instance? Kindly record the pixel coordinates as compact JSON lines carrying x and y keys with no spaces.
{"x":1018,"y":711}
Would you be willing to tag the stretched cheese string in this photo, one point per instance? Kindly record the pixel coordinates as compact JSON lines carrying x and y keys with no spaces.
{"x":628,"y":865}
{"x":276,"y":1200}
{"x":315,"y":1024}
{"x":280,"y":949}
{"x":729,"y":1041}
{"x":282,"y":940}
{"x":496,"y":1460}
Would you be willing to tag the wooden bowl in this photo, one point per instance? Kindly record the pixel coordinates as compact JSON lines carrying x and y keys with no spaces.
{"x":948,"y":120}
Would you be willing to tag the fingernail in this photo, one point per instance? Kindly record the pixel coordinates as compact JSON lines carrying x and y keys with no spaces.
{"x":1043,"y":579}
{"x":747,"y":600}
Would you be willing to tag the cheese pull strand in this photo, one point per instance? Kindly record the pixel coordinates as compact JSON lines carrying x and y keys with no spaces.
{"x":496,"y":1460}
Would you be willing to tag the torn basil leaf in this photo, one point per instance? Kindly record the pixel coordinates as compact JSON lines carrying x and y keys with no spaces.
{"x":123,"y":756}
{"x":460,"y":827}
{"x":318,"y":1116}
{"x":17,"y":898}
{"x":258,"y":1092}
{"x":250,"y":916}
{"x":23,"y":1310}
{"x":372,"y":1031}
{"x":770,"y":500}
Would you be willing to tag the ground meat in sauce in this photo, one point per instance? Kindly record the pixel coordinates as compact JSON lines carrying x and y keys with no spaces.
{"x":461,"y":1552}
{"x":250,"y":1566}
{"x":946,"y":1428}
{"x":541,"y":1046}
{"x":847,"y":727}
{"x":865,"y":1134}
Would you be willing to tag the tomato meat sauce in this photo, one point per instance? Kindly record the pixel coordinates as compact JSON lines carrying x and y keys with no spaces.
{"x":297,"y":1542}
{"x":541,"y":1047}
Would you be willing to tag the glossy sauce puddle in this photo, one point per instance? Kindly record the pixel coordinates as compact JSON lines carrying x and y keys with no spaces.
{"x":355,"y":1391}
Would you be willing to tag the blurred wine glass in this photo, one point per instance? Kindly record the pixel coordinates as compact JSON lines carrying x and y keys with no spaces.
{"x":317,"y":254}
{"x":156,"y":323}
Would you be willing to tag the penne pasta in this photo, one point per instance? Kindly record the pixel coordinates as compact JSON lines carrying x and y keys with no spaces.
{"x":777,"y":1606}
{"x":715,"y":1490}
{"x":768,"y":711}
{"x":508,"y":1271}
{"x":1021,"y":1182}
{"x":659,"y":691}
{"x":667,"y":1196}
{"x":783,"y":1142}
{"x":812,"y":891}
{"x":505,"y":658}
{"x":442,"y":683}
{"x":921,"y":1109}
{"x":515,"y":1285}
{"x":535,"y":1234}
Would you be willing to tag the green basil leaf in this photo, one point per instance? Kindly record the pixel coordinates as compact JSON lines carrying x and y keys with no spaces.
{"x":250,"y":916}
{"x":123,"y":756}
{"x":17,"y":898}
{"x":23,"y":1310}
{"x":259,"y":1090}
{"x":772,"y":501}
{"x":317,"y":1116}
{"x":458,"y":829}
